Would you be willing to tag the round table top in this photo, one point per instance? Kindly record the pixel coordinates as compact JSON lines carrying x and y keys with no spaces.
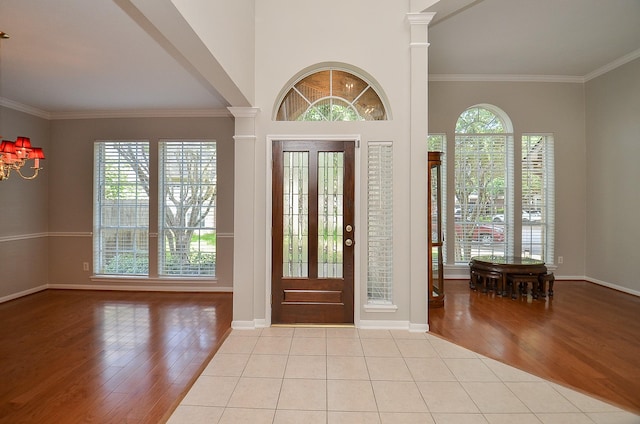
{"x":507,"y":260}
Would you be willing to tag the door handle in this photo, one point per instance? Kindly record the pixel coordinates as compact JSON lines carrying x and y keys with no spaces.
{"x":349,"y":242}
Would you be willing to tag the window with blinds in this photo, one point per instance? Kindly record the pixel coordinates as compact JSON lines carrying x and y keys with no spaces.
{"x":483,"y":174}
{"x":380,"y":223}
{"x":121,"y":207}
{"x":187,"y":227}
{"x":538,"y":193}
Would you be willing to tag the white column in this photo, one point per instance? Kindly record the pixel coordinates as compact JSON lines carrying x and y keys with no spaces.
{"x":244,"y":237}
{"x":419,"y":256}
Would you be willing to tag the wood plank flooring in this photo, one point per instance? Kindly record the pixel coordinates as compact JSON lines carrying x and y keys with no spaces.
{"x":105,"y":357}
{"x":586,"y":337}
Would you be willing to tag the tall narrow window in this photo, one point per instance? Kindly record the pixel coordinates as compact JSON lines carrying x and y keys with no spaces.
{"x":380,"y":223}
{"x":121,"y":208}
{"x":538,"y":195}
{"x":187,"y":239}
{"x":483,"y":180}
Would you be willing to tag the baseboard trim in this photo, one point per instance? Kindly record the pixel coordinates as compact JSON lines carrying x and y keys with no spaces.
{"x":154,"y":288}
{"x":613,"y":286}
{"x":23,"y":293}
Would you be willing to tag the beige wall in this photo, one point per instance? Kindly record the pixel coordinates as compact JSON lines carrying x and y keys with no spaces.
{"x":71,"y":190}
{"x":612,"y":177}
{"x":24,"y":213}
{"x":556,"y":108}
{"x":227,"y":29}
{"x":385,"y":57}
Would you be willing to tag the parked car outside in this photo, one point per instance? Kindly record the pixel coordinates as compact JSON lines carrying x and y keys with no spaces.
{"x":482,"y":233}
{"x":527,"y":216}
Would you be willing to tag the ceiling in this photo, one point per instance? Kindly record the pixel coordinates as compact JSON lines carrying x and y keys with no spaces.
{"x":70,"y":56}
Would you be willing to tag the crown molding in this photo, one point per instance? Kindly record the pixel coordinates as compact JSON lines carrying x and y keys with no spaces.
{"x":143,"y":113}
{"x":20,"y":107}
{"x":122,"y":113}
{"x":504,"y":78}
{"x":613,"y":65}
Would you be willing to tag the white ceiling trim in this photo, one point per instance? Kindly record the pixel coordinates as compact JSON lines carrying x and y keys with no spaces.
{"x":504,"y":78}
{"x":97,"y":114}
{"x":143,"y":113}
{"x":24,"y":108}
{"x":536,"y":78}
{"x":613,"y":65}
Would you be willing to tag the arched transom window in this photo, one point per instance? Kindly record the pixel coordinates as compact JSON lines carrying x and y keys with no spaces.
{"x":331,"y":95}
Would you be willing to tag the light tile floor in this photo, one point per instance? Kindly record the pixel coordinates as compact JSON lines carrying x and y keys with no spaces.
{"x":284,"y":375}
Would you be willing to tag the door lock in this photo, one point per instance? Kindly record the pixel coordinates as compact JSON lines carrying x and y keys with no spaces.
{"x":348,"y":228}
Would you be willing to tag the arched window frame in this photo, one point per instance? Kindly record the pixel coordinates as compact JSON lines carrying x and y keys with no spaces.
{"x":378,"y":110}
{"x":475,"y":232}
{"x":528,"y":218}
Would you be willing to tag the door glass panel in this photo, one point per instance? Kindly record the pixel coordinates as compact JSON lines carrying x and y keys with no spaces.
{"x":295,"y":215}
{"x":330,"y":214}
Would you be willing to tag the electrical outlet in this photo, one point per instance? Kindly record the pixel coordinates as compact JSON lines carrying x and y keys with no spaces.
{"x":85,"y":266}
{"x":560,"y":259}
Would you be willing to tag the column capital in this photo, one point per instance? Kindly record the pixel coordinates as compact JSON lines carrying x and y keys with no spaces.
{"x":420,"y":18}
{"x":244,"y":112}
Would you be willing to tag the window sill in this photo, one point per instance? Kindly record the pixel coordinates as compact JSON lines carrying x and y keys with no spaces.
{"x":380,"y":308}
{"x":102,"y":278}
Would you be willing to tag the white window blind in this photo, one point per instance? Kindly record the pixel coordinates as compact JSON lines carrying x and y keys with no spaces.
{"x":380,"y":223}
{"x":484,"y":175}
{"x":538,"y":194}
{"x":482,"y":208}
{"x":121,"y":207}
{"x":187,"y":227}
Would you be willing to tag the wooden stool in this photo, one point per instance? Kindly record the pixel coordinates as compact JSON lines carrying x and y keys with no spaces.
{"x":546,"y":279}
{"x":523,"y":281}
{"x":489,"y":280}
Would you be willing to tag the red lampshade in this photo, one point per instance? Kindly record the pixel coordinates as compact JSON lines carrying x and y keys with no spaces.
{"x":7,"y":146}
{"x":36,"y":153}
{"x":23,"y":143}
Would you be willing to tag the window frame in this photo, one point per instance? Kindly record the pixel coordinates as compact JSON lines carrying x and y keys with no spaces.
{"x":515,"y":192}
{"x":546,"y":202}
{"x":379,"y":223}
{"x":134,"y":258}
{"x":196,"y":258}
{"x":322,"y":90}
{"x":152,"y":219}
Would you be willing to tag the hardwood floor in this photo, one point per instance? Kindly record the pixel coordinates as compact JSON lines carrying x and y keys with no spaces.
{"x":586,"y":337}
{"x":105,"y":357}
{"x":129,"y":357}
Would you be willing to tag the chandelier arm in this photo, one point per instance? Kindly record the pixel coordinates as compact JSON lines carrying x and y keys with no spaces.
{"x":35,"y":174}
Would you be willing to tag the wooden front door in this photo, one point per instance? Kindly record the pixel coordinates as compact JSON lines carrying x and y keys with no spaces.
{"x":313,"y":232}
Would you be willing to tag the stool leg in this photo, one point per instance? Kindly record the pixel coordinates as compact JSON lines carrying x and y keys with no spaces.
{"x":542,"y":284}
{"x":551,"y":281}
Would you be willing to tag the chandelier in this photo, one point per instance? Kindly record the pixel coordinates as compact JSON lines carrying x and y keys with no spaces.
{"x":15,"y":155}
